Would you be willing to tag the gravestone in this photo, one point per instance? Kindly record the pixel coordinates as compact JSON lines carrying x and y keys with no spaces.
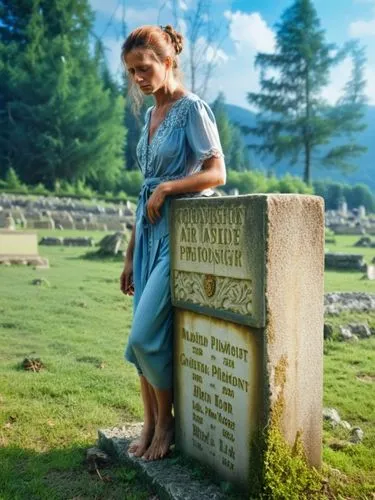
{"x":7,"y":221}
{"x":20,"y":247}
{"x":247,"y":287}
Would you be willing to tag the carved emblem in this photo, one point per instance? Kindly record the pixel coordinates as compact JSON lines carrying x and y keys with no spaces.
{"x":217,"y":292}
{"x":209,"y":285}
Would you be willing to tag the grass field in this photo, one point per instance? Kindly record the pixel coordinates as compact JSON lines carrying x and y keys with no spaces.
{"x":77,"y":323}
{"x":349,"y":281}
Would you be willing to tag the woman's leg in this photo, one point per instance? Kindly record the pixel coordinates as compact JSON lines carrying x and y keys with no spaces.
{"x":164,"y":429}
{"x":140,"y":445}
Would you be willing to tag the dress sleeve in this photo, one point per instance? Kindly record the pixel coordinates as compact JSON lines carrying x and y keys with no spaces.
{"x":202,"y":133}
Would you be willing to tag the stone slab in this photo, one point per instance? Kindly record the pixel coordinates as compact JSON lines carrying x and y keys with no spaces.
{"x":256,"y":284}
{"x":218,"y":394}
{"x":170,"y":479}
{"x":218,"y":257}
{"x":18,"y":243}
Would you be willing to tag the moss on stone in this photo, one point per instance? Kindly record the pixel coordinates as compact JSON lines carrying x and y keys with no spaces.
{"x":286,"y":473}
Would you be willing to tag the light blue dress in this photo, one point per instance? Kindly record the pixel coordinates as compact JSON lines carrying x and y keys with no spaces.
{"x":186,"y":137}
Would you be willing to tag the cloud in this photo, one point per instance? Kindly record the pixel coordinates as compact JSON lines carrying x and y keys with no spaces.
{"x":339,"y":76}
{"x":236,"y":75}
{"x":182,"y":5}
{"x":250,"y":31}
{"x":363,"y":27}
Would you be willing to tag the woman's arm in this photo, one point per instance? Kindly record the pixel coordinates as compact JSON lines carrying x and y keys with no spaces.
{"x":126,"y":278}
{"x":212,"y":174}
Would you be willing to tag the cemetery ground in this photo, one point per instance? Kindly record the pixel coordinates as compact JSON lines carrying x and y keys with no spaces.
{"x":77,"y":321}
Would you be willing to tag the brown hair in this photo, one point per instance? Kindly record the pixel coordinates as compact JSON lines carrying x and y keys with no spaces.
{"x":163,"y":41}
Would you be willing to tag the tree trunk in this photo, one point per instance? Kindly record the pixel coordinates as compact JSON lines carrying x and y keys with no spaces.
{"x":307,"y":141}
{"x":307,"y":170}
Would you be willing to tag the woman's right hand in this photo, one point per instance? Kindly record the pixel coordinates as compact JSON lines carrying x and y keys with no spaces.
{"x":126,"y":279}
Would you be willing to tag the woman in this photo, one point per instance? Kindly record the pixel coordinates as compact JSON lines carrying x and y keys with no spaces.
{"x":179,"y":153}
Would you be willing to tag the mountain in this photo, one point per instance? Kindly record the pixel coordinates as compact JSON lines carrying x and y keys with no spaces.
{"x":365,"y":173}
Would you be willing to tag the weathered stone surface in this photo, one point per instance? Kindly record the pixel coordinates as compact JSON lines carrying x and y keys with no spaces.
{"x":362,"y":330}
{"x":78,"y":242}
{"x":95,"y":457}
{"x":335,"y":303}
{"x":7,"y":221}
{"x":65,"y":213}
{"x":332,"y":416}
{"x":40,"y":262}
{"x":364,"y":242}
{"x":18,"y":243}
{"x":370,"y":272}
{"x":346,"y":334}
{"x":219,"y":375}
{"x":170,"y":479}
{"x":51,"y":241}
{"x":248,"y":326}
{"x":344,"y":424}
{"x":20,"y":248}
{"x":44,"y":224}
{"x":342,"y":261}
{"x":356,"y":435}
{"x":112,"y":244}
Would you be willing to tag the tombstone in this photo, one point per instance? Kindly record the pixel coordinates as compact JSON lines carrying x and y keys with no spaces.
{"x":81,"y":225}
{"x":116,"y":226}
{"x":361,"y":212}
{"x":7,"y":221}
{"x":343,"y":208}
{"x":44,"y":224}
{"x":20,"y":247}
{"x":247,"y":288}
{"x":370,"y":272}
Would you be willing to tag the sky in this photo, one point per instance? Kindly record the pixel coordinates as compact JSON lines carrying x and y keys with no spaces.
{"x":250,"y":28}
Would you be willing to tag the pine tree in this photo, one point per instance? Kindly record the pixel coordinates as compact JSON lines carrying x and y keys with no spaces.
{"x":239,"y":157}
{"x":348,"y":114}
{"x":293,"y":119}
{"x":231,"y":138}
{"x":59,"y":118}
{"x":223,"y":124}
{"x":11,"y":179}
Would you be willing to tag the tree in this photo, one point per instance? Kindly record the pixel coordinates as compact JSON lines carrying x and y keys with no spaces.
{"x":12,"y":180}
{"x":59,"y":118}
{"x":223,"y":124}
{"x":204,"y":37}
{"x":234,"y":149}
{"x":348,"y":114}
{"x":293,"y":119}
{"x":239,"y":155}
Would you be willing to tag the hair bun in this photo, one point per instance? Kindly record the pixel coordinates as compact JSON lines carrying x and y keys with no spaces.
{"x":176,"y":38}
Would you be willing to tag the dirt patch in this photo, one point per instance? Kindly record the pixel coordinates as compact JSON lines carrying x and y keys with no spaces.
{"x":368,"y":378}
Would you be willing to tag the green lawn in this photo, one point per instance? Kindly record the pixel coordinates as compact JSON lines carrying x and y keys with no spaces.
{"x":349,"y":281}
{"x":78,"y":326}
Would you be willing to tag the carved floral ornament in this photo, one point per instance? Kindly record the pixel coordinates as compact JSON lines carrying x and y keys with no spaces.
{"x":217,"y":292}
{"x":209,"y":284}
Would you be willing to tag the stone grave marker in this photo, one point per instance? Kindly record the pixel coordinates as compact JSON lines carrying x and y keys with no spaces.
{"x":20,"y":247}
{"x":247,"y":286}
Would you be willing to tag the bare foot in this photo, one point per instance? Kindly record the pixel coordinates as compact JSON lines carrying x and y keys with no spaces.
{"x":161,"y":442}
{"x":140,"y":445}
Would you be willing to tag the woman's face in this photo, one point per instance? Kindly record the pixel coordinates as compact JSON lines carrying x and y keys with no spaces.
{"x":146,"y":70}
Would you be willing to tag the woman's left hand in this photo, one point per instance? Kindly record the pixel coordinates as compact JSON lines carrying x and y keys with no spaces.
{"x":155,"y":203}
